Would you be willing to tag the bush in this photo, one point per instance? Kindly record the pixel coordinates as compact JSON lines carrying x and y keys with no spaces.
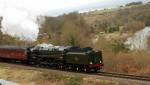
{"x":68,"y":29}
{"x":119,"y":46}
{"x":134,"y":3}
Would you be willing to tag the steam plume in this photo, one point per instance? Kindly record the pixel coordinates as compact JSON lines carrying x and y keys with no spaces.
{"x":19,"y":17}
{"x":20,"y":23}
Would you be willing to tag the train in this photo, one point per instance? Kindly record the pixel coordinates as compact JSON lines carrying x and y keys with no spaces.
{"x":60,"y":57}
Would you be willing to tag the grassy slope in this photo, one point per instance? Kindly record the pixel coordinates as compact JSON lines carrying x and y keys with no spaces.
{"x":31,"y":77}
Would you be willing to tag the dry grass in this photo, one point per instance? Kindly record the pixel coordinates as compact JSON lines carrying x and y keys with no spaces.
{"x":131,"y":63}
{"x":118,"y":59}
{"x":31,"y":77}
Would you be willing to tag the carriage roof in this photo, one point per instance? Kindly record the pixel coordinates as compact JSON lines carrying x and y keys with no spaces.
{"x":13,"y":47}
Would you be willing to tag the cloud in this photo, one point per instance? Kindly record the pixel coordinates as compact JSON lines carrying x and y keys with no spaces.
{"x":20,"y":16}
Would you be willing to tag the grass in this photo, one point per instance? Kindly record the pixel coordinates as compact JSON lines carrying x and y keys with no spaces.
{"x":117,"y":58}
{"x":31,"y":77}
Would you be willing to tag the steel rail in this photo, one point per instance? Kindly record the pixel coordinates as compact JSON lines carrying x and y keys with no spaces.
{"x":127,"y":76}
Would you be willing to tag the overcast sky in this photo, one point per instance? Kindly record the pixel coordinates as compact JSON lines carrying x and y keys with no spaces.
{"x":20,"y":16}
{"x":56,"y":7}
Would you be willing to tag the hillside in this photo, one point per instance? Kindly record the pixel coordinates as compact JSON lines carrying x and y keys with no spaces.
{"x":123,"y":20}
{"x":128,"y":19}
{"x":105,"y":30}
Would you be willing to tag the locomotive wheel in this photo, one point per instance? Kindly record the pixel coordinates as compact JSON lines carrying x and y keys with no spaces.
{"x":77,"y":68}
{"x":86,"y":69}
{"x":60,"y":67}
{"x":95,"y":70}
{"x":31,"y":63}
{"x":69,"y":68}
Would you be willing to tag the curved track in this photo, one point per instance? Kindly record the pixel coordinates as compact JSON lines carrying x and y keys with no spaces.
{"x":127,"y":76}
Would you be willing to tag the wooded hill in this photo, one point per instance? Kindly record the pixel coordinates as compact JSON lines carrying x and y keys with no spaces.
{"x":78,"y":29}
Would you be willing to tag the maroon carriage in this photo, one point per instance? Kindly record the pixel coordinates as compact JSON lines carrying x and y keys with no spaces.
{"x":13,"y":52}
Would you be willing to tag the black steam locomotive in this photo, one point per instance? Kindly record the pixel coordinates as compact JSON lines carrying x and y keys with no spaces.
{"x":62,"y":57}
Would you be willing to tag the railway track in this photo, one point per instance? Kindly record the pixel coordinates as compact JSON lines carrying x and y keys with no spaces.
{"x":107,"y":74}
{"x":127,"y":76}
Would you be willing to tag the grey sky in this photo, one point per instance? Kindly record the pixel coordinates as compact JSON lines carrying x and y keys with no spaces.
{"x":93,"y":6}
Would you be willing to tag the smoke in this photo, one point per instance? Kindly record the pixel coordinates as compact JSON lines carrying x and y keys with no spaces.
{"x":20,"y":23}
{"x":139,"y":40}
{"x":19,"y":17}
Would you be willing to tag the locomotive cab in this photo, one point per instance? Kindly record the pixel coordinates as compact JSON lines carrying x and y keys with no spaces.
{"x":96,"y":62}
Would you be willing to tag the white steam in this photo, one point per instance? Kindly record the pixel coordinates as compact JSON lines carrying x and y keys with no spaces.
{"x":19,"y":17}
{"x":20,"y":23}
{"x":139,"y":40}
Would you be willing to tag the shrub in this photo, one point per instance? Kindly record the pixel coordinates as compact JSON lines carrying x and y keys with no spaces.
{"x":119,"y":46}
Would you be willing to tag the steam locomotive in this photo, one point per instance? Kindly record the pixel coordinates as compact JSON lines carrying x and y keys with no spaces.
{"x":61,"y":57}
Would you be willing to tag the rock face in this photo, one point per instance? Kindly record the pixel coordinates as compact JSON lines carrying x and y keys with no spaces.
{"x":139,"y":40}
{"x":5,"y":82}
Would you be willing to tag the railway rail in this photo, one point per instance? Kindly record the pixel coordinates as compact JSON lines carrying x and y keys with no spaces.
{"x":127,"y":76}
